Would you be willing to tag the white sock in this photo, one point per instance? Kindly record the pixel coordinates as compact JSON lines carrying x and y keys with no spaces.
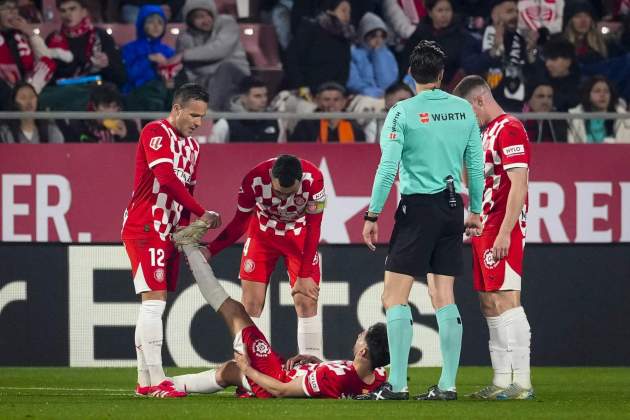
{"x":309,"y":336}
{"x":202,"y":382}
{"x":152,"y":336}
{"x":499,"y":351}
{"x":143,"y":371}
{"x":519,"y":338}
{"x":259,"y":325}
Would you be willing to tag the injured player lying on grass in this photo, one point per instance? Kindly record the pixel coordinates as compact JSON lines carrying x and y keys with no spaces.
{"x":258,"y":369}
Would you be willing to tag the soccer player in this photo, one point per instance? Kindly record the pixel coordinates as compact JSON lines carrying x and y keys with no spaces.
{"x":498,"y":252}
{"x":429,"y":135}
{"x":287,"y":194}
{"x":260,"y":370}
{"x":165,"y":176}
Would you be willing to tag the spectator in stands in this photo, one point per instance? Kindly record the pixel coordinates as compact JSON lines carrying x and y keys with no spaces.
{"x":539,"y":97}
{"x":103,"y":98}
{"x":442,"y":27}
{"x":281,"y":21}
{"x":403,"y":16}
{"x":395,"y":93}
{"x":598,"y":95}
{"x":130,"y":9}
{"x":29,"y":11}
{"x":28,"y":130}
{"x":211,"y":51}
{"x":22,"y":57}
{"x":320,"y":50}
{"x":581,"y":30}
{"x":503,"y":55}
{"x":151,"y":65}
{"x":253,"y":98}
{"x":81,"y":49}
{"x":331,"y":97}
{"x":563,"y":72}
{"x":373,"y":66}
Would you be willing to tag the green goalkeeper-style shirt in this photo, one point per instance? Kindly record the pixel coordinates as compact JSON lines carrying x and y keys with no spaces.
{"x":430,"y":136}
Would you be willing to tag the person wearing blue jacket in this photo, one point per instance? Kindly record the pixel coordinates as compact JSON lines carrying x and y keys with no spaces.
{"x":373,"y":66}
{"x":151,"y":65}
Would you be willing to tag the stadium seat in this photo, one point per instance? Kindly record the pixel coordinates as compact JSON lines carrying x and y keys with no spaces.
{"x":261,"y":44}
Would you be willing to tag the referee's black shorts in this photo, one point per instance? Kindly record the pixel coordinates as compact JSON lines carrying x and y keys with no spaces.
{"x":427,"y":236}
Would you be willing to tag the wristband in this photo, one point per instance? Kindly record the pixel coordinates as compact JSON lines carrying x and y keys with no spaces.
{"x":369,"y":218}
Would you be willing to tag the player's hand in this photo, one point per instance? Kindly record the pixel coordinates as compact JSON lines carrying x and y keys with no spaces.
{"x":212,"y":218}
{"x":20,"y":24}
{"x":473,"y":225}
{"x":501,"y":246}
{"x":242,"y":361}
{"x":370,"y":234}
{"x":307,"y":287}
{"x":300,"y":359}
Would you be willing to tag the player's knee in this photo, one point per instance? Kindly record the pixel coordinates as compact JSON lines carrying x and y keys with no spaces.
{"x":253,"y":307}
{"x":305,"y":306}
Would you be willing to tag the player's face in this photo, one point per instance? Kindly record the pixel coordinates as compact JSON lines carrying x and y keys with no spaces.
{"x":600,"y":96}
{"x":284,"y":192}
{"x":441,"y":14}
{"x":359,"y":344}
{"x":201,"y":20}
{"x":477,"y":102}
{"x":542,"y":99}
{"x":188,"y":117}
{"x":154,"y":26}
{"x":256,"y":99}
{"x":71,"y":13}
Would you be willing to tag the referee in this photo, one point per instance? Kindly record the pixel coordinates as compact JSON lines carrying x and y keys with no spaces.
{"x":429,"y":136}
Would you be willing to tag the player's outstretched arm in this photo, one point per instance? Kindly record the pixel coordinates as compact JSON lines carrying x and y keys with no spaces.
{"x":232,"y":232}
{"x":269,"y":384}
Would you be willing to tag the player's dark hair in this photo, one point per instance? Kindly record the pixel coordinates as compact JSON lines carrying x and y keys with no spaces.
{"x":468,"y":84}
{"x":559,"y":47}
{"x":287,"y":169}
{"x":190,"y":91}
{"x":377,"y":344}
{"x":426,"y":62}
{"x":58,"y":3}
{"x":398,"y":87}
{"x":250,"y":83}
{"x":105,"y":94}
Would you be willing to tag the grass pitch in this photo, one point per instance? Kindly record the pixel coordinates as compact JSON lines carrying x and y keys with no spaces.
{"x":68,"y":393}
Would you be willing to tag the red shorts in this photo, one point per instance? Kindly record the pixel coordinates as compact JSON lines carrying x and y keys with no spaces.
{"x":262,"y":358}
{"x":262,"y":250}
{"x":154,"y":264}
{"x":490,"y":275}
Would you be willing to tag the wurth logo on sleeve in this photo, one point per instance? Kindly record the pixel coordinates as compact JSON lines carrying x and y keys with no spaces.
{"x":155,"y":143}
{"x":518,"y":149}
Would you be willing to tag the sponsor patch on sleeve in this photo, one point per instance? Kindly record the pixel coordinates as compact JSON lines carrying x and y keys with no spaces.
{"x":517,"y":149}
{"x":320,"y":196}
{"x":312,"y":381}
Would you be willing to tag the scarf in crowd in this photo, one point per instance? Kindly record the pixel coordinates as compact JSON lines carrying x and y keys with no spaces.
{"x":344,"y":130}
{"x":332,"y":24}
{"x":414,"y":10}
{"x":510,"y":74}
{"x":60,"y":40}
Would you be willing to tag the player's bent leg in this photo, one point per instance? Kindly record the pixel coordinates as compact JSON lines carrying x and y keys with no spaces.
{"x":309,"y":326}
{"x":210,"y":381}
{"x":450,"y":331}
{"x":253,"y":299}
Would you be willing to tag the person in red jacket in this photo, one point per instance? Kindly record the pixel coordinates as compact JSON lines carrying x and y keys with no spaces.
{"x":167,"y":158}
{"x":288,"y":197}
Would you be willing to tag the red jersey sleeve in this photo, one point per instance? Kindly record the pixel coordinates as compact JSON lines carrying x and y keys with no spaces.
{"x":322,"y":382}
{"x":513,"y":146}
{"x":156,"y":144}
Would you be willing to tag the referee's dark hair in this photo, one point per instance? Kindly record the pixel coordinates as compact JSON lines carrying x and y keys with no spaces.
{"x":468,"y":84}
{"x":377,"y":344}
{"x":287,"y":169}
{"x":190,"y":91}
{"x":426,"y":62}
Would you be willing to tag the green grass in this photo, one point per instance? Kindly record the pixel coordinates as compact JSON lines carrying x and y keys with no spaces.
{"x":567,"y":393}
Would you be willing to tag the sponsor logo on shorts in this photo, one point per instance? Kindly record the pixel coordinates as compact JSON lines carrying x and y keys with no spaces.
{"x":518,"y":149}
{"x":155,"y":143}
{"x":488,"y":259}
{"x":249,"y":265}
{"x":159,"y":275}
{"x":299,"y":201}
{"x":312,"y":380}
{"x":261,"y":349}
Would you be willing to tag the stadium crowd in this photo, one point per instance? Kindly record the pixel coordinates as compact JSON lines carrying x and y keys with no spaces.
{"x":307,"y":56}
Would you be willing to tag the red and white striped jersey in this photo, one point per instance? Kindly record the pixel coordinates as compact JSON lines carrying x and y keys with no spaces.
{"x":505,"y":146}
{"x":151,"y":209}
{"x":277,"y":215}
{"x":334,"y":379}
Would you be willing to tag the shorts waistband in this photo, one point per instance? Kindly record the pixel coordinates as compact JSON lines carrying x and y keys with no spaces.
{"x":425,"y":197}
